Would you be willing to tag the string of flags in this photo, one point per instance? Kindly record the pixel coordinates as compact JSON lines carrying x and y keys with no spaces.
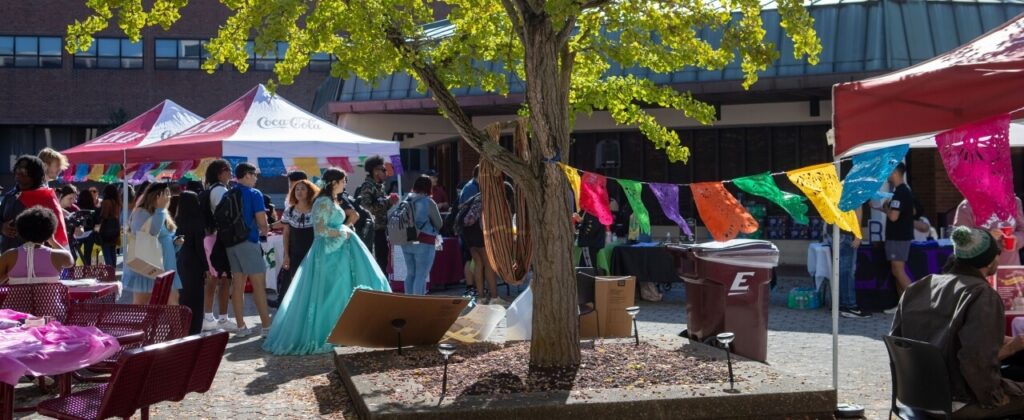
{"x":724,"y":216}
{"x":976,"y":157}
{"x":196,"y":169}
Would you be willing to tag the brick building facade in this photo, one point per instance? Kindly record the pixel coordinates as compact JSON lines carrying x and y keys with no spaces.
{"x":52,"y":98}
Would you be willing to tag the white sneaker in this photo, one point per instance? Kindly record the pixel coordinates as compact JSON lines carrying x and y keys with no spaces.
{"x":224,"y":324}
{"x":264,"y":332}
{"x":247,"y":332}
{"x":498,"y":301}
{"x":210,"y":324}
{"x":892,"y":310}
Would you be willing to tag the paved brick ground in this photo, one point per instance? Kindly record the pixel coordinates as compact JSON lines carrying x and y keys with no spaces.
{"x":252,"y":384}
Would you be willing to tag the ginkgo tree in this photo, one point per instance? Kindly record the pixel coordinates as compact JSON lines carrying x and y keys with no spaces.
{"x":561,"y":50}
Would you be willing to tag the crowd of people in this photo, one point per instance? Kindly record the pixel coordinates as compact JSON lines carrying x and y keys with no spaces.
{"x":212,"y":234}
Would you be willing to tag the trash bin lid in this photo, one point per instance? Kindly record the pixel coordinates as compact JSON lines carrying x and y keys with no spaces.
{"x":739,"y":252}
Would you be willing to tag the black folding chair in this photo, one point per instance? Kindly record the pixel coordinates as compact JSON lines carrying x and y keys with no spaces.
{"x":920,"y":380}
{"x":586,"y":294}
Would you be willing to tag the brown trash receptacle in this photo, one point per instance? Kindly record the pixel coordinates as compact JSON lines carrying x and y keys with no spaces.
{"x":727,"y":289}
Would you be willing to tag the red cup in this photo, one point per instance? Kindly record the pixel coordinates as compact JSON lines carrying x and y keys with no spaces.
{"x":1009,"y":241}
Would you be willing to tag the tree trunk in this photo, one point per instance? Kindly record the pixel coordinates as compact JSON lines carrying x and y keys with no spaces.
{"x":555,"y":341}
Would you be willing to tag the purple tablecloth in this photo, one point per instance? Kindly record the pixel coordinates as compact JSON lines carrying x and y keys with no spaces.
{"x":52,"y":349}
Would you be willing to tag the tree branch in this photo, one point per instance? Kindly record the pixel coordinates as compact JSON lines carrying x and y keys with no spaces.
{"x":476,"y":138}
{"x":593,"y":4}
{"x":515,"y":16}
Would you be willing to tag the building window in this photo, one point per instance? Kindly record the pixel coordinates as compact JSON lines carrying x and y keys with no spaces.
{"x":180,"y":54}
{"x":319,"y":62}
{"x":607,"y":154}
{"x":110,"y":53}
{"x":30,"y":51}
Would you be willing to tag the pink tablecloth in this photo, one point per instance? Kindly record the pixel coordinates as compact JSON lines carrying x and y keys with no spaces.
{"x":52,"y":349}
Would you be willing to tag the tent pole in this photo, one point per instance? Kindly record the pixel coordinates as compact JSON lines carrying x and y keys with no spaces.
{"x":834,"y":281}
{"x":124,"y":216}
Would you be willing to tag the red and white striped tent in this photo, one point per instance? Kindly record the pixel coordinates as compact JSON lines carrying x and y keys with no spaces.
{"x":261,"y":124}
{"x":157,"y":124}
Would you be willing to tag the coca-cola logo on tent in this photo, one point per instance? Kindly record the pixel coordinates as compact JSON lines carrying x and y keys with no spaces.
{"x":295,"y":122}
{"x":208,"y":127}
{"x":116,"y":137}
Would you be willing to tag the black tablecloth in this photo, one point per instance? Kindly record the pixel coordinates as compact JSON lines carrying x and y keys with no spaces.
{"x":876,"y":286}
{"x":647,"y":263}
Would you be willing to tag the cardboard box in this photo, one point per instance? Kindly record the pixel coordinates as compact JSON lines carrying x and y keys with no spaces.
{"x":610,"y":320}
{"x":367,"y":320}
{"x":1009,"y":283}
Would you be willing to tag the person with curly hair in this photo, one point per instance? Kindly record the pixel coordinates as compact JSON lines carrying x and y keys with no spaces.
{"x":34,"y":261}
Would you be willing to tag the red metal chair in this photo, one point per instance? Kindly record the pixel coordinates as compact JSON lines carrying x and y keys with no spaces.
{"x":162,"y":288}
{"x":99,"y":272}
{"x":147,"y":376}
{"x":157,"y":323}
{"x":42,"y":299}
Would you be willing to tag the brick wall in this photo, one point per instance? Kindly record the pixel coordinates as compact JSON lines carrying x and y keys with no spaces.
{"x":70,"y":96}
{"x":931,"y":186}
{"x":468,"y":158}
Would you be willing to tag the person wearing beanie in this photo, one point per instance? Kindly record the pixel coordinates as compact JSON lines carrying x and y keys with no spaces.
{"x":965,"y":217}
{"x":961,"y":314}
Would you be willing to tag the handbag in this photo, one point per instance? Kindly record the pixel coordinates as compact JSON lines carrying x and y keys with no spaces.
{"x":144,"y":254}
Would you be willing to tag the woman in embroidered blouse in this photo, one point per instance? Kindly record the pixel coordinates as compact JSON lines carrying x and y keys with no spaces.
{"x":298,"y":232}
{"x":336,"y":265}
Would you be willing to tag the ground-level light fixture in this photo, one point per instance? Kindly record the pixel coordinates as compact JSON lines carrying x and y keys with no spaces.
{"x":446,"y":350}
{"x":633,"y":311}
{"x":726,"y":338}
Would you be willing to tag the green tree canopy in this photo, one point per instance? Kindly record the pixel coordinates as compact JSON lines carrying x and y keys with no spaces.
{"x":374,"y":38}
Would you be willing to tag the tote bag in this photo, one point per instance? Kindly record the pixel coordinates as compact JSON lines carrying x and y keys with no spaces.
{"x":144,"y":255}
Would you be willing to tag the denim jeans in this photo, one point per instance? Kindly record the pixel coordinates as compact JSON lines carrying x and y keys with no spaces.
{"x":847,"y":268}
{"x":419,"y":258}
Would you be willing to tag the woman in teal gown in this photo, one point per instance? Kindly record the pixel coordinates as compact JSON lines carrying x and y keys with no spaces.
{"x":335,"y":266}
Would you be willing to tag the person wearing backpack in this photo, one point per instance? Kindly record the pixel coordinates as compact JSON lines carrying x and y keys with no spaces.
{"x":241,"y":220}
{"x":108,"y":224}
{"x":421,"y":210}
{"x":373,"y":198}
{"x":217,"y":176}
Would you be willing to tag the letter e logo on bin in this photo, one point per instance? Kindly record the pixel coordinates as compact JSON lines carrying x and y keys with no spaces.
{"x":739,"y":284}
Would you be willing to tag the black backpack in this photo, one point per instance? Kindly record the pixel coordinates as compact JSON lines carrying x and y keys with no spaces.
{"x":231,"y":227}
{"x":365,"y":221}
{"x":110,"y":230}
{"x":450,"y":220}
{"x":206,"y":207}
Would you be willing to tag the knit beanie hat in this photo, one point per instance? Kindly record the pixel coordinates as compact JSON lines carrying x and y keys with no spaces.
{"x":974,"y":247}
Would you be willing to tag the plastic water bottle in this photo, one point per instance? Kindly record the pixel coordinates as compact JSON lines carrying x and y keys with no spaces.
{"x":668,"y":237}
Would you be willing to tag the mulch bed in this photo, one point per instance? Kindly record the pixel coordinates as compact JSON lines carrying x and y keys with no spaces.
{"x":489,"y":368}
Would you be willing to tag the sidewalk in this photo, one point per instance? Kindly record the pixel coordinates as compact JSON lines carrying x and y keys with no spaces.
{"x":253,"y":384}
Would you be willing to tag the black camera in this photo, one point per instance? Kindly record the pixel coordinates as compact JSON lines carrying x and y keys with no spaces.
{"x":79,"y":218}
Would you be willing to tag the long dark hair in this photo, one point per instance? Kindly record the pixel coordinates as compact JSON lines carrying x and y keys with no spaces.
{"x":189,"y":217}
{"x":110,"y":207}
{"x":330,"y":177}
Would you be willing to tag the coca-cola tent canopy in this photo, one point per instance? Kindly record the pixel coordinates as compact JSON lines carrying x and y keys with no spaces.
{"x":152,"y":126}
{"x":260,"y":124}
{"x":981,"y":79}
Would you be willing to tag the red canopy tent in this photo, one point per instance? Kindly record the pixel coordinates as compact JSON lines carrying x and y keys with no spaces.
{"x":152,"y":126}
{"x":983,"y":78}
